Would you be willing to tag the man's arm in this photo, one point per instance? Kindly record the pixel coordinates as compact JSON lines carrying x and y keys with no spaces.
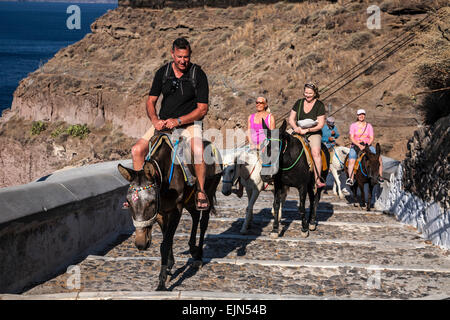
{"x":197,"y":114}
{"x":151,"y":113}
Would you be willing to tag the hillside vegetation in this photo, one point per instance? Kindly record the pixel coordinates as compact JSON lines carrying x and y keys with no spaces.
{"x":258,"y":49}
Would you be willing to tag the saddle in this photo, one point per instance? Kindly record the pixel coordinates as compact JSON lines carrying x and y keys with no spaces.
{"x":358,"y":160}
{"x":181,"y":154}
{"x":308,"y":153}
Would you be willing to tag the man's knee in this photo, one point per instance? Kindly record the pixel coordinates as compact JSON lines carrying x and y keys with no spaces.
{"x":140,"y":149}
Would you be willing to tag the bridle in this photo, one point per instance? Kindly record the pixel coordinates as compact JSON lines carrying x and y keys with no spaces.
{"x":135,"y":197}
{"x":265,"y":146}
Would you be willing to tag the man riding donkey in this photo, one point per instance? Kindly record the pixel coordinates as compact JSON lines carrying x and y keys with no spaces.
{"x":185,"y":91}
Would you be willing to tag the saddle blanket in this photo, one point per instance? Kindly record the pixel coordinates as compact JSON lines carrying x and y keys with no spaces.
{"x":309,"y":154}
{"x":183,"y":155}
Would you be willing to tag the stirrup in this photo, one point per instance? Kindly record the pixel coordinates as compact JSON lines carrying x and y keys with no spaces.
{"x":349,"y":182}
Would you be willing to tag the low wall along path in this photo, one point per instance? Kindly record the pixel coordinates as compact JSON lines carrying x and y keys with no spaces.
{"x":353,"y":254}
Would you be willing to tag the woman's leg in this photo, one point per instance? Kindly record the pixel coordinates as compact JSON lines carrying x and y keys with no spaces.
{"x":315,"y":143}
{"x":351,"y":164}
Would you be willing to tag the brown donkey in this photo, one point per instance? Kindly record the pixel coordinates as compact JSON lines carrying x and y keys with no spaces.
{"x":152,"y":198}
{"x":367,"y":171}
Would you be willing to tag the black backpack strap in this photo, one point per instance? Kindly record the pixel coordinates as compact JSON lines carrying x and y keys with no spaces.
{"x":300,"y":104}
{"x":192,"y":73}
{"x":166,"y":73}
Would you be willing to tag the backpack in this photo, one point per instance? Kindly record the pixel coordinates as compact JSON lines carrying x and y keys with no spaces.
{"x":192,"y":72}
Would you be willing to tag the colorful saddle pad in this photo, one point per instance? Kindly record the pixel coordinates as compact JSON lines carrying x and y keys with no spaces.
{"x":309,"y":154}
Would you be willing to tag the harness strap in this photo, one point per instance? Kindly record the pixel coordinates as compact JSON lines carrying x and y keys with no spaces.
{"x":173,"y":159}
{"x":338,"y":157}
{"x":360,"y":167}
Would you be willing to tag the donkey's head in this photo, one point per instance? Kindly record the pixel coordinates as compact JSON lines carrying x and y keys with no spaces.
{"x":270,"y":151}
{"x":143,"y":198}
{"x":372,"y":164}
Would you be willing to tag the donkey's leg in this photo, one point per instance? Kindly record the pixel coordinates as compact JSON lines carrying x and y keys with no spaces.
{"x":335,"y":177}
{"x":166,"y":247}
{"x":363,"y":195}
{"x":276,"y":207}
{"x":354,"y":197}
{"x":369,"y":196}
{"x":284,"y":193}
{"x":253,"y":195}
{"x":198,"y":258}
{"x":313,"y":202}
{"x":302,"y":190}
{"x":193,"y":237}
{"x":337,"y":183}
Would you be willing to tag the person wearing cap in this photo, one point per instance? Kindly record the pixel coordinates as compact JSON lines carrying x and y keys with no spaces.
{"x":330,"y":133}
{"x":361,"y":134}
{"x":310,"y":107}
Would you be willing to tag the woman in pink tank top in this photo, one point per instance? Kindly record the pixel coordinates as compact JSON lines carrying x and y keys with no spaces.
{"x":255,"y":131}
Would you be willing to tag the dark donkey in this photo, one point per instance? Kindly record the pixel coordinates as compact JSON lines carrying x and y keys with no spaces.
{"x":285,"y":163}
{"x":153,"y":199}
{"x":366,"y":172}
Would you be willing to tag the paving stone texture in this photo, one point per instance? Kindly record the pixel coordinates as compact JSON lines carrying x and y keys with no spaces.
{"x":353,"y":254}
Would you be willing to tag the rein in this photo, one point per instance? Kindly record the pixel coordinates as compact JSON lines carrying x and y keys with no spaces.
{"x":360,"y":167}
{"x":262,"y":150}
{"x":293,"y":165}
{"x":281,"y":144}
{"x":335,"y":153}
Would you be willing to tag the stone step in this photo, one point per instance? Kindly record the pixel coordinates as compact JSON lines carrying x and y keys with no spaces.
{"x":322,"y":215}
{"x":295,"y":249}
{"x":246,"y":276}
{"x":292,"y":229}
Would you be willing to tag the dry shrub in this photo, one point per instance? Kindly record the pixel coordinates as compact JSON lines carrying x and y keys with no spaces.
{"x":358,"y":40}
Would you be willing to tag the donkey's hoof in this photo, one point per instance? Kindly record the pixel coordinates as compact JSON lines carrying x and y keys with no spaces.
{"x":161,"y":287}
{"x":197,"y":264}
{"x":355,"y":204}
{"x":304,"y":234}
{"x":243,"y":230}
{"x":274,"y":235}
{"x":312,"y":227}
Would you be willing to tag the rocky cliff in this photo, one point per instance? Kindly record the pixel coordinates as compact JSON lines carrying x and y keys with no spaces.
{"x":257,"y":49}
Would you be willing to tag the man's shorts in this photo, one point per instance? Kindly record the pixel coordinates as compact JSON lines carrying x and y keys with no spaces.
{"x":353,"y":154}
{"x":193,"y":130}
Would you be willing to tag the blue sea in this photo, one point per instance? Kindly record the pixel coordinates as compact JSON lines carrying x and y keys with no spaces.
{"x":32,"y":32}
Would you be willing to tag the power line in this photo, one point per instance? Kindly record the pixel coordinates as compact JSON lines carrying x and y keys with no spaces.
{"x":380,"y":57}
{"x":357,"y":66}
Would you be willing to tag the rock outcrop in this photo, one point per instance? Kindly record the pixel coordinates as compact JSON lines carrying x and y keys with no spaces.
{"x":426,"y":169}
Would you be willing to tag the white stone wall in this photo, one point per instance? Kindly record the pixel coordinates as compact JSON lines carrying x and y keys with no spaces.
{"x":429,"y":218}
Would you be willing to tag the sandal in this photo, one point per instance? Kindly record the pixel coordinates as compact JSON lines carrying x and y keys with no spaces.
{"x":202,"y":202}
{"x":320,"y":183}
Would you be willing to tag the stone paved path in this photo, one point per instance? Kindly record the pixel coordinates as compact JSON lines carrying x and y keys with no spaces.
{"x":353,"y":254}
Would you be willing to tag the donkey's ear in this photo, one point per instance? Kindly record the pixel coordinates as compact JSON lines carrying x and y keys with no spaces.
{"x":283,"y":127}
{"x":266,"y":129}
{"x":128,"y":174}
{"x":149,"y":170}
{"x":378,"y":149}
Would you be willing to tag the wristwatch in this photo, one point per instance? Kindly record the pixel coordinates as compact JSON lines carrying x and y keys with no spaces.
{"x":179,"y":121}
